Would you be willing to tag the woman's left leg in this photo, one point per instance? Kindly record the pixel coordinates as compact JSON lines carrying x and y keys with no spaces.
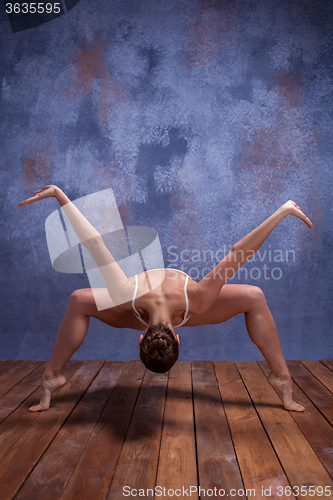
{"x":250,"y":300}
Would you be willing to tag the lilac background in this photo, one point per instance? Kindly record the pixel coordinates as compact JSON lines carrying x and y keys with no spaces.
{"x":203,"y":116}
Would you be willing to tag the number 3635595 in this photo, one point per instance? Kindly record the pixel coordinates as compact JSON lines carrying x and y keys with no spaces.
{"x":33,"y":8}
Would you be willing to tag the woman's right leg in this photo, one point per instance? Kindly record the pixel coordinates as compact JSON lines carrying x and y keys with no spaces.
{"x":72,"y":331}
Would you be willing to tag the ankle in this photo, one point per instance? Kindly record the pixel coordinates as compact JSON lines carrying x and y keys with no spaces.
{"x":48,"y":376}
{"x":282,"y":376}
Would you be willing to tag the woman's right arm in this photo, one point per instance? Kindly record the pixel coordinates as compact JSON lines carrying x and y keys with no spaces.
{"x":116,"y":280}
{"x":86,"y":233}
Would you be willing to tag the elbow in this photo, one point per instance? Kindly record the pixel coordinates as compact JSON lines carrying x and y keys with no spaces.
{"x":93,"y":243}
{"x":237,"y":254}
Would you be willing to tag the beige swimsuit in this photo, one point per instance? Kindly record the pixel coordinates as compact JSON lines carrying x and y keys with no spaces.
{"x":136,"y":312}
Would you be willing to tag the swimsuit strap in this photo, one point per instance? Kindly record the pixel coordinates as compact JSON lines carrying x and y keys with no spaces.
{"x":187,"y":305}
{"x":136,"y":312}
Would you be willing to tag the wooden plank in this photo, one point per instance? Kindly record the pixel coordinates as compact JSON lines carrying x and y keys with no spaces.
{"x":53,"y":471}
{"x":328,"y":363}
{"x":15,"y":396}
{"x":314,"y":426}
{"x":16,"y":465}
{"x":95,"y":469}
{"x":300,"y":463}
{"x":177,"y":467}
{"x":20,"y":420}
{"x":7,"y":364}
{"x":15,"y":371}
{"x":217,"y":462}
{"x":320,"y":371}
{"x":137,"y":466}
{"x":321,"y":397}
{"x":261,"y":471}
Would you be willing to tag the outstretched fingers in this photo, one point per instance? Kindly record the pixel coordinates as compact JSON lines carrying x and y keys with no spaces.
{"x":29,"y":201}
{"x":304,"y":218}
{"x":297,"y":212}
{"x":46,"y":192}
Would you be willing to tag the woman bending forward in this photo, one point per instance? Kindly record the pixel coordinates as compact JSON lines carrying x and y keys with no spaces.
{"x":158,"y":301}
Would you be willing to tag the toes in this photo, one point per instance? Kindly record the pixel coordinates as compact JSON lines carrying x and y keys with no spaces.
{"x":48,"y":386}
{"x":285,"y":390}
{"x":294,"y":407}
{"x":298,"y":407}
{"x":42,"y":406}
{"x":37,"y":408}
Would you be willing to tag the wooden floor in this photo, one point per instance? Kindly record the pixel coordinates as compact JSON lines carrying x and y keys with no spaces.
{"x":116,"y":431}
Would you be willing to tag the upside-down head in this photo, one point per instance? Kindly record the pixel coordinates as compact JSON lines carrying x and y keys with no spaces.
{"x":159,"y":348}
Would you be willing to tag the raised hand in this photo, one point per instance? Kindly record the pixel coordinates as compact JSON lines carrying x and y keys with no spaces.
{"x":46,"y":192}
{"x":293,"y":209}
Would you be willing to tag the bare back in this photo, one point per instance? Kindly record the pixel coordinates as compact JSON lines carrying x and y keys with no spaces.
{"x":167,"y":294}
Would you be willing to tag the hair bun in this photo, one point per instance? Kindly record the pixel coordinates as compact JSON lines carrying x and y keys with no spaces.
{"x":158,"y":344}
{"x":159,"y":348}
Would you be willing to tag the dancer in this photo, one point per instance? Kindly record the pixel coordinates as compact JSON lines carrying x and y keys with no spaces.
{"x":158,"y":301}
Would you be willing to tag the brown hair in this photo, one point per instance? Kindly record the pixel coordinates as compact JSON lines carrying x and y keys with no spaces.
{"x":159,"y":348}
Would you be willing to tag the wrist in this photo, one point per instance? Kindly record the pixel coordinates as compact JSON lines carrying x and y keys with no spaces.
{"x":56,"y":191}
{"x":60,"y":196}
{"x":283,"y":211}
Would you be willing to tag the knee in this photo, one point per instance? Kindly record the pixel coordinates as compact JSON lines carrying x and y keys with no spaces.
{"x":78,"y":299}
{"x":256,"y":296}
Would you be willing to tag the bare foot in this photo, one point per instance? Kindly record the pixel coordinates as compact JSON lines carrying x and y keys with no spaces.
{"x":47,"y":386}
{"x":285,"y":387}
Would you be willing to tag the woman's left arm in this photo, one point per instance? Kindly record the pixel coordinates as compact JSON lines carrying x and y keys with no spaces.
{"x":247,"y":247}
{"x":209,"y":287}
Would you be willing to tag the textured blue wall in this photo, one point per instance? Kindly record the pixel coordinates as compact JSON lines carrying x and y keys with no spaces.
{"x":203,"y":116}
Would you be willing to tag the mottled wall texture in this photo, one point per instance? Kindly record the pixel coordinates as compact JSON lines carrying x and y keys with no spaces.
{"x":203,"y":116}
